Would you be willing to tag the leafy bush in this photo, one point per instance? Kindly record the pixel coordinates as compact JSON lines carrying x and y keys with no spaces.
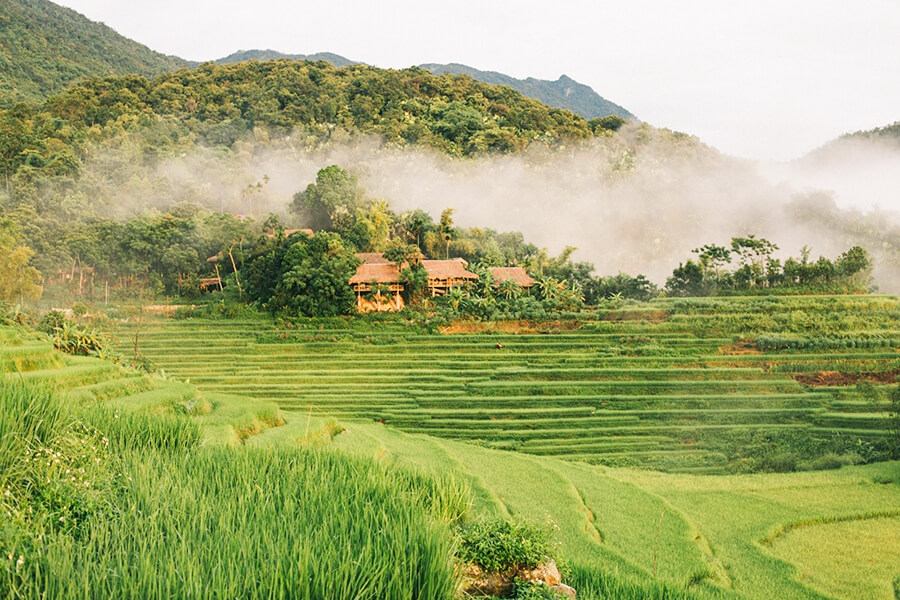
{"x":51,"y":322}
{"x":497,"y":545}
{"x":80,"y":341}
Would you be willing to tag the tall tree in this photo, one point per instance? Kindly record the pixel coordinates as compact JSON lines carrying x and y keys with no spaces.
{"x":18,"y":280}
{"x":331,"y":202}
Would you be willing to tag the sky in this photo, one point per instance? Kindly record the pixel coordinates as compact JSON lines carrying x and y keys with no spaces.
{"x":768,"y":80}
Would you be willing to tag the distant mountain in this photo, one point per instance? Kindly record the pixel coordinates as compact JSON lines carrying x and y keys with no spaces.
{"x":888,"y":133}
{"x":45,"y":47}
{"x":245,"y":55}
{"x":565,"y":92}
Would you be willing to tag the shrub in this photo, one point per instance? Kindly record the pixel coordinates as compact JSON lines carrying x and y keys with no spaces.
{"x":52,"y":322}
{"x":498,"y":545}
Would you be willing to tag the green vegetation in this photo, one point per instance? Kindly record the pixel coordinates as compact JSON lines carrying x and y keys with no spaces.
{"x":622,"y":533}
{"x":118,"y":498}
{"x":46,"y":47}
{"x":499,"y":545}
{"x":758,"y":272}
{"x":700,"y":388}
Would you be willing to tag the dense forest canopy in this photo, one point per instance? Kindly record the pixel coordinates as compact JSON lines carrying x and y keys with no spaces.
{"x":81,"y":172}
{"x":45,"y":47}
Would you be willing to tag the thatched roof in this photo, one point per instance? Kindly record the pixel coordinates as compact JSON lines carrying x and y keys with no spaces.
{"x":514,"y":274}
{"x":373,"y":258}
{"x":455,"y":268}
{"x":379,"y":273}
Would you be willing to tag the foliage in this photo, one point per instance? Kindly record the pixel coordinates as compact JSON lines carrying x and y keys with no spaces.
{"x":686,"y":280}
{"x":894,"y":420}
{"x":304,"y":276}
{"x":52,"y":321}
{"x":621,"y":286}
{"x":524,"y":590}
{"x":81,"y":341}
{"x":18,"y":279}
{"x":34,"y":67}
{"x":498,"y":545}
{"x":758,"y":271}
{"x":331,"y":202}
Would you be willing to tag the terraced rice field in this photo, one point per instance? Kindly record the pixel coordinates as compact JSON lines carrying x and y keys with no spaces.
{"x":620,"y":391}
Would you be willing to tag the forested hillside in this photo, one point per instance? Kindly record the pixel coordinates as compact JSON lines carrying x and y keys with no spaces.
{"x":44,"y":47}
{"x":565,"y":92}
{"x":245,"y":55}
{"x":219,"y":105}
{"x":888,"y":132}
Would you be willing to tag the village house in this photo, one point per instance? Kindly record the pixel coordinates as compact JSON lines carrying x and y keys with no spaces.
{"x":517,"y":275}
{"x":379,"y":286}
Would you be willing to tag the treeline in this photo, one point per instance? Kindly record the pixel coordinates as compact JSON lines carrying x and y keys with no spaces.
{"x":747,"y":265}
{"x":218,"y":106}
{"x":188,"y":249}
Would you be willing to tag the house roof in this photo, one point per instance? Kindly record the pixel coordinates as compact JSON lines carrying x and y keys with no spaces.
{"x":379,"y":273}
{"x":514,"y":274}
{"x":373,"y":258}
{"x":455,"y":268}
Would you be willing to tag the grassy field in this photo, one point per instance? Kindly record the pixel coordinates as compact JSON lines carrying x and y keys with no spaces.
{"x":669,"y":393}
{"x":204,"y":462}
{"x":107,"y":490}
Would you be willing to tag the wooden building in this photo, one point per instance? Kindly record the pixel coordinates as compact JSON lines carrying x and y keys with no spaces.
{"x":377,"y":284}
{"x":443,"y":275}
{"x":379,"y":288}
{"x":517,"y":275}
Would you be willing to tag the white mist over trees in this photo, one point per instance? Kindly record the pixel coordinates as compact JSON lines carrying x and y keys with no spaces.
{"x":636,"y":201}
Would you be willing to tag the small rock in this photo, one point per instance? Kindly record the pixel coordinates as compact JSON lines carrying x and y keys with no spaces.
{"x":568,"y":592}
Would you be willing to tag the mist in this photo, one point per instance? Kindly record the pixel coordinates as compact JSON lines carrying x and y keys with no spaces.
{"x":637,"y":201}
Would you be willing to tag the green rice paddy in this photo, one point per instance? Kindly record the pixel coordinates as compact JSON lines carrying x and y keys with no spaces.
{"x":625,"y":391}
{"x":333,"y":413}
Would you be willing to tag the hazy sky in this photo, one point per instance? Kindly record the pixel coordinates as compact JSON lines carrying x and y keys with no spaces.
{"x":764,"y":79}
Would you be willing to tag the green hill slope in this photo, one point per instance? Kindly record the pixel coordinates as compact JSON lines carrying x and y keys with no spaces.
{"x":45,"y":47}
{"x":565,"y":92}
{"x":245,"y":55}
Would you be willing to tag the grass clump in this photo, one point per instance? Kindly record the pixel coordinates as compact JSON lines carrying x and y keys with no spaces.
{"x":498,"y":545}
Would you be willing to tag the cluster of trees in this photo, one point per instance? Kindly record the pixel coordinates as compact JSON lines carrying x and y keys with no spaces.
{"x":218,"y":106}
{"x":169,"y":252}
{"x":748,"y":264}
{"x":73,"y":168}
{"x":154,"y":253}
{"x":33,"y":65}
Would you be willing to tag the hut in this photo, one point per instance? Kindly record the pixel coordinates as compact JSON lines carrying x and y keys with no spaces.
{"x":444,"y":275}
{"x":377,"y":284}
{"x":517,"y":275}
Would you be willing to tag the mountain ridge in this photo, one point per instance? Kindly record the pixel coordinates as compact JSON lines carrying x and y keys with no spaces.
{"x":565,"y":92}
